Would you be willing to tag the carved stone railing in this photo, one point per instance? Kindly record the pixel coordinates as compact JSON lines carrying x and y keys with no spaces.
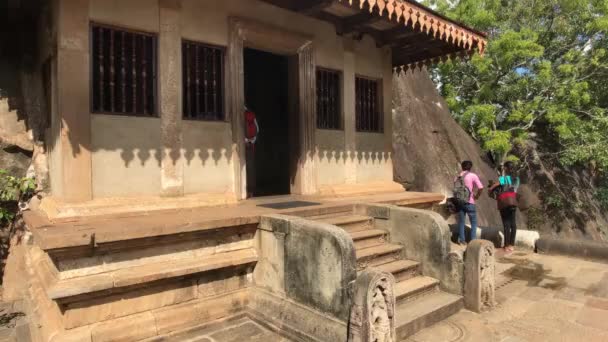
{"x":372,"y":317}
{"x":479,"y":276}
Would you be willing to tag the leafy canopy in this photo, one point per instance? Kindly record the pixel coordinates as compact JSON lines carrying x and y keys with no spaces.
{"x":544,"y":75}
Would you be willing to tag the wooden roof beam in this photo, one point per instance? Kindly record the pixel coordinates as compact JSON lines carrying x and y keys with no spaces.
{"x":358,"y":22}
{"x":424,"y":55}
{"x":311,"y":7}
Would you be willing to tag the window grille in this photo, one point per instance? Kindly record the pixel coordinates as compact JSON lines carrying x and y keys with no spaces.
{"x":329,"y":114}
{"x":368,"y":105}
{"x":123,"y":71}
{"x":203,"y":81}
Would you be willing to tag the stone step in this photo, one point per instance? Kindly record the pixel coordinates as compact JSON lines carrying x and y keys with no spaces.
{"x":401,"y":269}
{"x":350,"y":223}
{"x":377,"y":255}
{"x":410,"y":289}
{"x":137,"y":275}
{"x":413,"y":316}
{"x":368,"y":238}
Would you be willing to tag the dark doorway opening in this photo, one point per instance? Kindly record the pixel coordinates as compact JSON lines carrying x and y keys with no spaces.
{"x":266,"y":94}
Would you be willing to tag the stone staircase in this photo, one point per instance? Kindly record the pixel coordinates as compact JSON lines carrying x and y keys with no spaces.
{"x":419,"y":300}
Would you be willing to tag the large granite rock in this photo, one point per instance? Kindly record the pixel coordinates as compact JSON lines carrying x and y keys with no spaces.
{"x":429,"y":144}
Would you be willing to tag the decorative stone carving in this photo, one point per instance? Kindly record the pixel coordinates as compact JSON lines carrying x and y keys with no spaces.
{"x":372,"y":317}
{"x":479,"y":270}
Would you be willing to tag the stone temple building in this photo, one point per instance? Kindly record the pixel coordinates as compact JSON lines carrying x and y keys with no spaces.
{"x":161,"y":216}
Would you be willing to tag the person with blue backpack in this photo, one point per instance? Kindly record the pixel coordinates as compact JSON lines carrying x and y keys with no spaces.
{"x":505,"y":193}
{"x":467,"y":189}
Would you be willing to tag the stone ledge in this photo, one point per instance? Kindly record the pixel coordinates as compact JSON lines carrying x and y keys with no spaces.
{"x":575,"y":248}
{"x":59,"y":289}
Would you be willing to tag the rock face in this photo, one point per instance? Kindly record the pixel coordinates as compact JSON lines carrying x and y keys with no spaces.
{"x":429,"y":144}
{"x":15,"y":146}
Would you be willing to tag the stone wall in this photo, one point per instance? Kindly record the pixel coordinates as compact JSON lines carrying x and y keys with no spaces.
{"x":304,"y":267}
{"x":126,"y":157}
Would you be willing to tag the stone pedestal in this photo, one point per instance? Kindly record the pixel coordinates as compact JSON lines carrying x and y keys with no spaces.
{"x":479,"y":276}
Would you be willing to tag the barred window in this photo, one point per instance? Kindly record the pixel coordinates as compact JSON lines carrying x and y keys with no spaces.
{"x":368,"y":105}
{"x":203,"y":81}
{"x":328,"y":99}
{"x":123,"y":67}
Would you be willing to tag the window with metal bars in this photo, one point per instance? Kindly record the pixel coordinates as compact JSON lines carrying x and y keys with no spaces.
{"x":329,"y":114}
{"x":368,"y":105}
{"x":123,"y":67}
{"x":203,"y":81}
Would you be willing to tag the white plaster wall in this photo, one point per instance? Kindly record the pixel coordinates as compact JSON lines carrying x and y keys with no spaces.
{"x":125,"y":156}
{"x":135,"y":14}
{"x":373,"y":158}
{"x":332,"y":156}
{"x":204,"y":171}
{"x":207,"y":157}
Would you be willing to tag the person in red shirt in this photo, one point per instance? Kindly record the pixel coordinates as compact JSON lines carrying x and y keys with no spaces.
{"x":252,"y":129}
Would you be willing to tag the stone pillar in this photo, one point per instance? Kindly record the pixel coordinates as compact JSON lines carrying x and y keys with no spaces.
{"x":169,"y":69}
{"x":372,"y":317}
{"x":479,"y":276}
{"x":387,"y":101}
{"x":73,"y":107}
{"x":236,"y":106}
{"x":308,"y":119}
{"x":350,"y":142}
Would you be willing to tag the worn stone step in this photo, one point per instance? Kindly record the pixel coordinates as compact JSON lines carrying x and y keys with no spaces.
{"x":368,"y":238}
{"x":137,"y":275}
{"x":413,"y":316}
{"x":377,"y":255}
{"x":401,"y":269}
{"x":413,"y":288}
{"x":350,"y":223}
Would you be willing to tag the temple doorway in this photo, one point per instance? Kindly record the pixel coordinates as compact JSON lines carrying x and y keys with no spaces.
{"x":266,"y":77}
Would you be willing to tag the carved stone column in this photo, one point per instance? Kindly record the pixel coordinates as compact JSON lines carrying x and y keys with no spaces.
{"x":308,"y":121}
{"x":169,"y":58}
{"x":373,"y":313}
{"x":235,"y":105}
{"x":479,"y":276}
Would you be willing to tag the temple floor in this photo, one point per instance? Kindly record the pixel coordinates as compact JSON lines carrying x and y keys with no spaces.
{"x":240,"y":329}
{"x":540,"y":298}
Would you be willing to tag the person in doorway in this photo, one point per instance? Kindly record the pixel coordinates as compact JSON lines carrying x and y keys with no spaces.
{"x":506,"y":200}
{"x":252,"y":129}
{"x":467,"y":188}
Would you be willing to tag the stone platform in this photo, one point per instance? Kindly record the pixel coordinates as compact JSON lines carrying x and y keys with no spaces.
{"x":540,"y":298}
{"x":108,"y":228}
{"x":147,"y":275}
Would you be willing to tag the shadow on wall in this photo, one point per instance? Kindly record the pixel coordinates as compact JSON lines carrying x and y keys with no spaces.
{"x":429,"y":144}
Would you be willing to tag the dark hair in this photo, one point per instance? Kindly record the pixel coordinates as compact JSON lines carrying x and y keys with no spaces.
{"x":466,"y":165}
{"x":508,"y":167}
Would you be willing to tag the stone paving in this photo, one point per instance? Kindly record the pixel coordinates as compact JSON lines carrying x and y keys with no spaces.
{"x":233,"y":330}
{"x":540,"y":298}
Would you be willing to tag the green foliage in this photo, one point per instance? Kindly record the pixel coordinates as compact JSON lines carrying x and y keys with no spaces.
{"x":545,"y":73}
{"x":601,"y":195}
{"x":12,"y":190}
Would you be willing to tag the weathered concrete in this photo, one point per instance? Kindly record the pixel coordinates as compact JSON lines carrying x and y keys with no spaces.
{"x":319,"y":263}
{"x":575,"y":248}
{"x":479,"y":276}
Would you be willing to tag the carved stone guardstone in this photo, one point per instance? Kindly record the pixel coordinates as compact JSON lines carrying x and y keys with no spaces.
{"x":479,"y":276}
{"x":372,"y":317}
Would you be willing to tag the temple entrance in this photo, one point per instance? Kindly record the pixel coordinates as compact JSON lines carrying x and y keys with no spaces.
{"x":266,"y":94}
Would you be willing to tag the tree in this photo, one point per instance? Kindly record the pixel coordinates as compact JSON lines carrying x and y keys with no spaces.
{"x":544,"y":77}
